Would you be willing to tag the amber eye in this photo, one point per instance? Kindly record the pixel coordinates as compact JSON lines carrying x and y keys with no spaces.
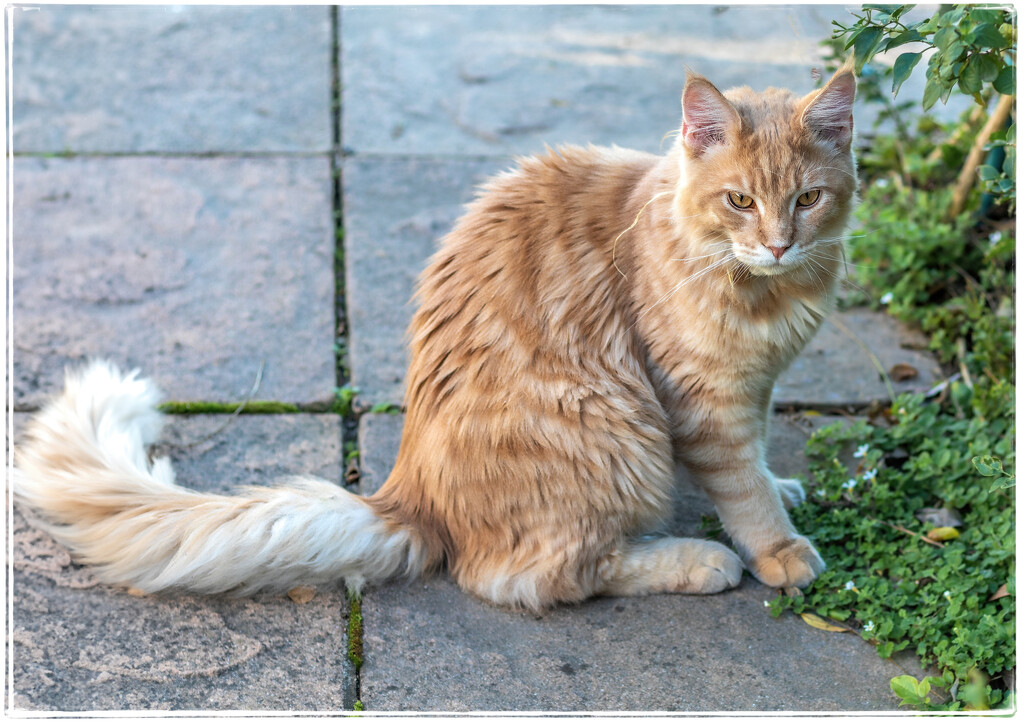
{"x":805,"y":200}
{"x":740,"y":201}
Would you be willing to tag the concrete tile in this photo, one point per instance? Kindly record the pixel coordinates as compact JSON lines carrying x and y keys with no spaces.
{"x":81,"y":645}
{"x":488,"y":80}
{"x":180,"y":78}
{"x":397,"y":209}
{"x":838,"y":366}
{"x":192,"y":269}
{"x":659,"y":653}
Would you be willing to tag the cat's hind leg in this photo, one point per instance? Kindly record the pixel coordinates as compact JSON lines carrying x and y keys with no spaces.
{"x":669,"y":564}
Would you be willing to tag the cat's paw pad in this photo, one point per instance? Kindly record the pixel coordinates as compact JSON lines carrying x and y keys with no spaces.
{"x":717,"y":568}
{"x":792,"y":492}
{"x":793,"y":562}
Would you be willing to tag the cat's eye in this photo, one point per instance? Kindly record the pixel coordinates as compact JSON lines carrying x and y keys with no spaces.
{"x":808,"y":199}
{"x":740,"y":201}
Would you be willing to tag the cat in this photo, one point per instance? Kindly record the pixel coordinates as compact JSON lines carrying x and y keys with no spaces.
{"x":598,"y":316}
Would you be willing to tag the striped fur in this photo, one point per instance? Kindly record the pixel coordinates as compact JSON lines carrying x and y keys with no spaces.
{"x":597,"y":317}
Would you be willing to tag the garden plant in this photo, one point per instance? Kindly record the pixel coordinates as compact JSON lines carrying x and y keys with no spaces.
{"x":912,"y":504}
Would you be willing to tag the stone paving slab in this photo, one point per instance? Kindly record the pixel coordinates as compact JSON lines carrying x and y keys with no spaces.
{"x":181,"y":78}
{"x":485,"y":80}
{"x":397,"y":209}
{"x":192,"y":269}
{"x":81,"y":645}
{"x":665,"y":652}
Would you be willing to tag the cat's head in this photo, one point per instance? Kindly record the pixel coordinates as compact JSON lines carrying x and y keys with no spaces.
{"x":769,"y":177}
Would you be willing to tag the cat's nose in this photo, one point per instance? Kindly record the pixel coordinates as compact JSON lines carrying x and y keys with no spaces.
{"x":777,"y":249}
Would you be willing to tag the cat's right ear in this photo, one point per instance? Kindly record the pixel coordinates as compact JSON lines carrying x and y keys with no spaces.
{"x":707,"y":115}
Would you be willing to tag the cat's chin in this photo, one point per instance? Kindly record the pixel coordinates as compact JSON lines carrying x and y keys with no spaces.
{"x":772,"y":270}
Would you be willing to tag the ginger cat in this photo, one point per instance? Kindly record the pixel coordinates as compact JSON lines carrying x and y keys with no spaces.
{"x":597,"y":316}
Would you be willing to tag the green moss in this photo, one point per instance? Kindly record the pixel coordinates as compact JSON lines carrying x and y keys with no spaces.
{"x":355,"y":631}
{"x":358,"y":706}
{"x":218,"y":407}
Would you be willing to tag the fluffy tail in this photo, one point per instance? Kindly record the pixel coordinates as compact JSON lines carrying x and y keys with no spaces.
{"x":83,"y":473}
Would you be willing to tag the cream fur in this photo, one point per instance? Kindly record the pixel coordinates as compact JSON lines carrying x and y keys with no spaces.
{"x":83,"y":471}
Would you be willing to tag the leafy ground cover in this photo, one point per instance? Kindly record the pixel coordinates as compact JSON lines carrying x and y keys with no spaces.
{"x":913,"y":506}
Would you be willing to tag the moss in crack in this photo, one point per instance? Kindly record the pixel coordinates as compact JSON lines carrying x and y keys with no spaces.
{"x":218,"y":407}
{"x":355,"y":630}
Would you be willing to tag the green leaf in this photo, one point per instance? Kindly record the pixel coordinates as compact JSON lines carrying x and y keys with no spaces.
{"x":987,"y":465}
{"x":970,"y":79}
{"x":944,"y":38}
{"x":933,"y":89}
{"x":987,"y":35}
{"x":902,"y":68}
{"x":908,"y":36}
{"x":1005,"y":82}
{"x":865,"y":45}
{"x":906,"y":689}
{"x":987,"y":173}
{"x":983,"y":15}
{"x":988,"y":64}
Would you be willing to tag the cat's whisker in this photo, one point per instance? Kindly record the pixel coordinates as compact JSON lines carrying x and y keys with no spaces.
{"x":683,"y":282}
{"x":636,"y":220}
{"x":678,"y":286}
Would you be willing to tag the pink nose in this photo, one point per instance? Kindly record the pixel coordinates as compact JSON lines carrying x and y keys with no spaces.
{"x":777,"y":251}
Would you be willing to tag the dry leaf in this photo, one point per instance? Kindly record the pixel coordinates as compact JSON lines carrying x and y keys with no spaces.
{"x":302,"y":595}
{"x":942,"y":533}
{"x":818,"y":623}
{"x":1000,"y":593}
{"x":135,"y":592}
{"x":902,"y":372}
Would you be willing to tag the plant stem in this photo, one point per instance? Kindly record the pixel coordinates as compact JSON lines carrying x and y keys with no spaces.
{"x":965,"y":181}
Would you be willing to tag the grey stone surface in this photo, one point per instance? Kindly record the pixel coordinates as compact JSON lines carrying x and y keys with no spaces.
{"x":397,"y":210}
{"x":838,"y":367}
{"x":493,"y":80}
{"x":659,"y":653}
{"x":497,"y":80}
{"x":82,"y":645}
{"x":175,"y":78}
{"x":193,"y":269}
{"x":379,"y":438}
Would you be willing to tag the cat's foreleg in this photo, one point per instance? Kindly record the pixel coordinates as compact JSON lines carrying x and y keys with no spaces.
{"x":751,"y":503}
{"x":669,"y":564}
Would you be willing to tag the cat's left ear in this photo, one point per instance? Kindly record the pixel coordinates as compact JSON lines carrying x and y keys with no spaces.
{"x":828,"y":112}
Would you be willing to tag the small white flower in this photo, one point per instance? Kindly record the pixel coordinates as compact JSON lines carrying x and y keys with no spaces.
{"x":869,"y":626}
{"x":882,"y":182}
{"x":901,"y":410}
{"x":886,"y":299}
{"x":850,"y":483}
{"x":861,"y":451}
{"x":767,"y":603}
{"x":870,"y":474}
{"x":849,"y":586}
{"x":995,"y":237}
{"x":821,"y":492}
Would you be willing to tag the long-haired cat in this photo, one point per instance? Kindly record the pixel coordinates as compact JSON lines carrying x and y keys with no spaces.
{"x":598,"y":316}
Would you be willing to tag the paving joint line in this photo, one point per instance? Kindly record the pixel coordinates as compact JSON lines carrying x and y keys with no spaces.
{"x":350,"y":422}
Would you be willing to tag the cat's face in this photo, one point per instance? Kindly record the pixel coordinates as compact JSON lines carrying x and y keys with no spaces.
{"x":769,"y":178}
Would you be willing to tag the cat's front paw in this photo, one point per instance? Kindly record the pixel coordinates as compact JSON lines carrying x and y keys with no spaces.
{"x":792,"y":562}
{"x":792,"y":492}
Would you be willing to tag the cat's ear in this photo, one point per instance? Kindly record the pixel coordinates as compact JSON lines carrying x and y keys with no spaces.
{"x":707,"y":115}
{"x":828,"y":113}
